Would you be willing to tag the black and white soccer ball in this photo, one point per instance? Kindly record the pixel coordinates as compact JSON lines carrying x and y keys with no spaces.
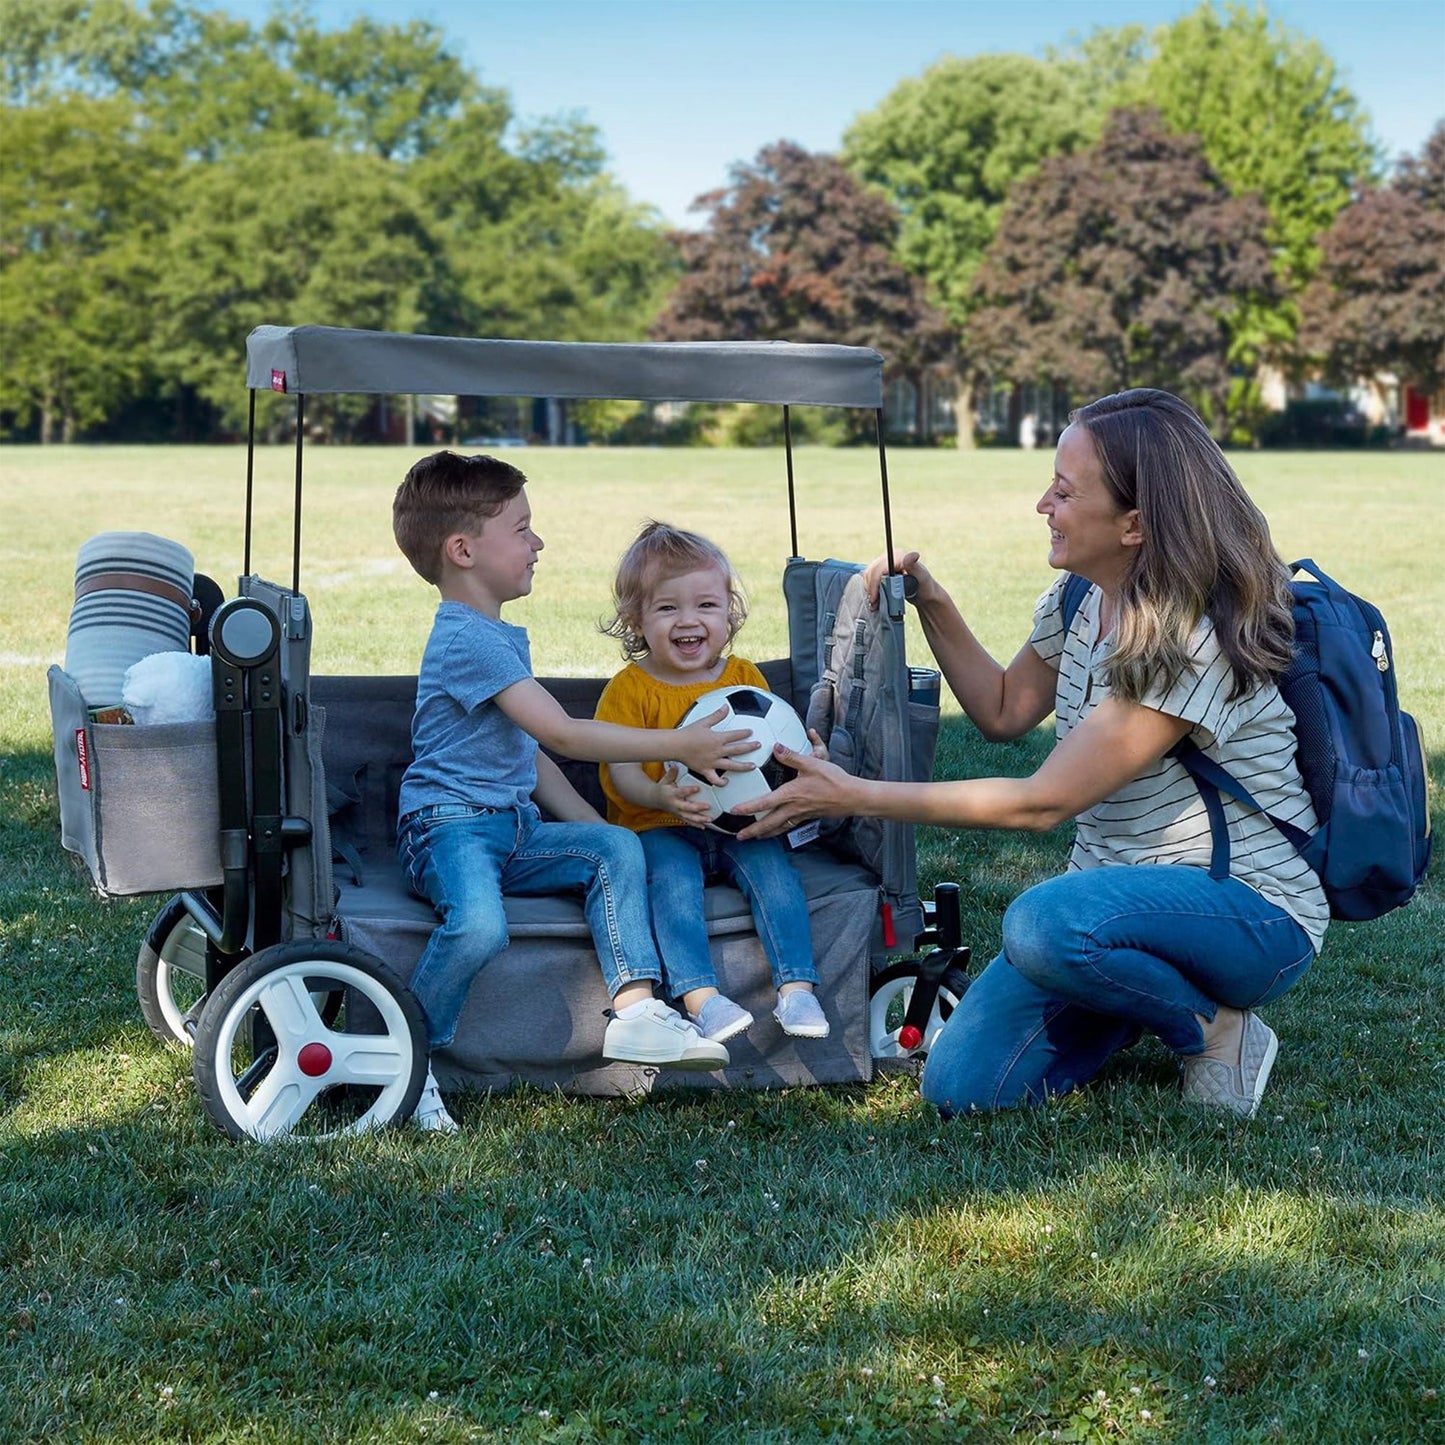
{"x":770,"y":720}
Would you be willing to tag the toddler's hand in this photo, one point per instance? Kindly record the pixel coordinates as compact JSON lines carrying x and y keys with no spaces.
{"x":711,"y":754}
{"x":820,"y":748}
{"x":683,"y":800}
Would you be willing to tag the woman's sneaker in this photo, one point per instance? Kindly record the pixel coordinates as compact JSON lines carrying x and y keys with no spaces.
{"x":431,"y":1114}
{"x":720,"y":1019}
{"x":800,"y":1015}
{"x":1238,"y":1087}
{"x":651,"y":1033}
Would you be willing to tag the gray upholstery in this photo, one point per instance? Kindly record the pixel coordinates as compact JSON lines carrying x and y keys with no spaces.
{"x":537,"y":1011}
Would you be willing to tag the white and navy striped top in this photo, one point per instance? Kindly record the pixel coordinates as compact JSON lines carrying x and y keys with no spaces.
{"x":1159,"y":817}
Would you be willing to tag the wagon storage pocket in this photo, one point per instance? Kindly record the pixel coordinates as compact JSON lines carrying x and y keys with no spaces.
{"x":138,"y":804}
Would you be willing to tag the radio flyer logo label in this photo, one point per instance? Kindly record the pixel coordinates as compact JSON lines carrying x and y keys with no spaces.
{"x":278,"y":380}
{"x":82,"y":759}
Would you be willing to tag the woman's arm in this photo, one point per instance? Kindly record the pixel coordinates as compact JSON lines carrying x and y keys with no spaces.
{"x":1002,"y":702}
{"x":1113,"y":745}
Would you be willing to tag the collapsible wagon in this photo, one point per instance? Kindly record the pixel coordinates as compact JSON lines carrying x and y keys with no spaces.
{"x":282,"y":956}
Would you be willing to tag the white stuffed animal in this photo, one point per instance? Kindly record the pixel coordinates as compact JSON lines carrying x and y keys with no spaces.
{"x":168,"y":687}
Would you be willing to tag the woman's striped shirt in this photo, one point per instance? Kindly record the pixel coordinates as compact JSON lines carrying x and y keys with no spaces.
{"x":1159,"y":817}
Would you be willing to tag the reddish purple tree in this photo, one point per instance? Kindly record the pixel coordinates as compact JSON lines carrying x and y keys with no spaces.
{"x":1128,"y":264}
{"x":1377,"y":302}
{"x":796,"y":249}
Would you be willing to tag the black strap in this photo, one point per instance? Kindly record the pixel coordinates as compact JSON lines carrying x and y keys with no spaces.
{"x":1212,"y":779}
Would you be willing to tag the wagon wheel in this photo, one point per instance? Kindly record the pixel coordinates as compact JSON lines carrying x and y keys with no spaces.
{"x":316,"y":1081}
{"x":891,"y":991}
{"x":170,"y":976}
{"x":170,"y":972}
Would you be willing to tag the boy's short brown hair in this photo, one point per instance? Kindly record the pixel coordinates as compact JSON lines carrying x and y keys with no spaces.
{"x":444,"y":494}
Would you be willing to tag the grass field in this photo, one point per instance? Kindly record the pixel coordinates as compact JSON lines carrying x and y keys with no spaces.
{"x":812,"y":1265}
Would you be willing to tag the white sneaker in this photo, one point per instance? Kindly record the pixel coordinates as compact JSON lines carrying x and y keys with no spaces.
{"x":431,"y":1114}
{"x":657,"y":1035}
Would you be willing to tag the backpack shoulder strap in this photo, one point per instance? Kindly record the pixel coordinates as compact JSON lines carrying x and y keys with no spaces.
{"x":1075,"y":590}
{"x":1212,"y":779}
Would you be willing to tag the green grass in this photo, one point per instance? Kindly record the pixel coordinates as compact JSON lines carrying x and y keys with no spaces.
{"x":811,"y":1265}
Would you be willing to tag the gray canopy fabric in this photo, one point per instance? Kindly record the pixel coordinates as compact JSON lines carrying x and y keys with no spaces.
{"x":313,"y":359}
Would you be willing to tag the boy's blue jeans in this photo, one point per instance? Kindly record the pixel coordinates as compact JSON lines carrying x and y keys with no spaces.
{"x":1094,"y":958}
{"x":680,"y":860}
{"x":462,"y":859}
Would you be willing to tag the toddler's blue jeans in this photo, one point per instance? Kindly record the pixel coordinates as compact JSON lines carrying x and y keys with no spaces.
{"x":462,"y":859}
{"x":680,"y":860}
{"x":1096,"y":957}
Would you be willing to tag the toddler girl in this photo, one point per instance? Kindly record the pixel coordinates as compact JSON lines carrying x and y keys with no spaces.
{"x":677,"y":608}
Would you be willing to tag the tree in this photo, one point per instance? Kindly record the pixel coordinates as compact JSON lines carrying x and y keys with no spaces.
{"x":795,"y":249}
{"x":172,"y":176}
{"x":946,"y":147}
{"x":1272,"y":115}
{"x":1129,"y":264}
{"x":1378,"y":300}
{"x":81,"y":194}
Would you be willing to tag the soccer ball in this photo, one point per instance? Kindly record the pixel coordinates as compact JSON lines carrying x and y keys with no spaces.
{"x":770,"y":720}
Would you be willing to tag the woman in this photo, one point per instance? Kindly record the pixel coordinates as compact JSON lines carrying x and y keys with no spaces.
{"x":1183,"y":633}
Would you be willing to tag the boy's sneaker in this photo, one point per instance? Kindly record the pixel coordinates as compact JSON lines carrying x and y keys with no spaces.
{"x":652,"y":1033}
{"x":720,"y":1019}
{"x":1239,"y":1087}
{"x":801,"y":1015}
{"x":431,"y":1114}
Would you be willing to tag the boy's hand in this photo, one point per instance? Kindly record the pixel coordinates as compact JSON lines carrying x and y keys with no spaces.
{"x":712,"y":754}
{"x":820,"y":748}
{"x":909,"y":564}
{"x":682,"y":800}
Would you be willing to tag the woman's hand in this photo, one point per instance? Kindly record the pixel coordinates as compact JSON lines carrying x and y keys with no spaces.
{"x":909,"y":564}
{"x":711,"y":755}
{"x":821,"y":790}
{"x":682,"y":800}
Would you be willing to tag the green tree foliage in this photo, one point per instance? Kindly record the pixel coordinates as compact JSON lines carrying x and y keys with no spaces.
{"x":1270,"y":109}
{"x":796,"y":249}
{"x":1129,"y":264}
{"x":81,"y":204}
{"x":948,"y":145}
{"x":278,"y":173}
{"x":1378,"y":301}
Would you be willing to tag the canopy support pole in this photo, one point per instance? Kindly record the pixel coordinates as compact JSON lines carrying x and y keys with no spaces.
{"x":887,"y":510}
{"x":792,"y":497}
{"x":296,"y":527}
{"x":250,"y":479}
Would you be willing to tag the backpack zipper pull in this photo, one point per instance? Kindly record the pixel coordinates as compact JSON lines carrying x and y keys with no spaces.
{"x":1382,"y":660}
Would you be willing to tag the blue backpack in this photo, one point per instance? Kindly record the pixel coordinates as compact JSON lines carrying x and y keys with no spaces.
{"x":1361,"y":757}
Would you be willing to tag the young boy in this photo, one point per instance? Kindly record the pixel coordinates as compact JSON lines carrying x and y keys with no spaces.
{"x":469,"y":828}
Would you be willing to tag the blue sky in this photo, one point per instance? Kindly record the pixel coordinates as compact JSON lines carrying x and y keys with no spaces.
{"x":682,"y":89}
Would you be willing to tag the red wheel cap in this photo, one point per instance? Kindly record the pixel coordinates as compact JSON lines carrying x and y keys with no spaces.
{"x":908,"y":1038}
{"x":313,"y":1060}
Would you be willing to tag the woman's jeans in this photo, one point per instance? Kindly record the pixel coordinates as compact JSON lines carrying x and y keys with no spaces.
{"x":680,"y":860}
{"x":462,"y":859}
{"x":1094,"y":958}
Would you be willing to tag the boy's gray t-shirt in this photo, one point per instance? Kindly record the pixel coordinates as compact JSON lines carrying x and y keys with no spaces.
{"x":465,"y":748}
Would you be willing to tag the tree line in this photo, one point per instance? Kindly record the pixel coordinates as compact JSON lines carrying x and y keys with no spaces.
{"x":1170,"y":207}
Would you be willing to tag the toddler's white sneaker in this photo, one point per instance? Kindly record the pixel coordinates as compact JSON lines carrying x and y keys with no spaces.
{"x":651,"y":1033}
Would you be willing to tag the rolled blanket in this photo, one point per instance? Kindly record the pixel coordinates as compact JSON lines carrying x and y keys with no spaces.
{"x":132,"y":598}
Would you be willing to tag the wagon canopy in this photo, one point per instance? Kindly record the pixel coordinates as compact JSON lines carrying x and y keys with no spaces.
{"x":306,"y":360}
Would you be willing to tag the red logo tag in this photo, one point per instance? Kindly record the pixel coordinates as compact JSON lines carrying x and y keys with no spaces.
{"x":278,"y":380}
{"x":82,"y":758}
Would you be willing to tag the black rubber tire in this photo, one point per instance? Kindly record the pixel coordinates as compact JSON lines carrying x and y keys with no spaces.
{"x":892,"y":988}
{"x":170,"y":972}
{"x":318,"y":1082}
